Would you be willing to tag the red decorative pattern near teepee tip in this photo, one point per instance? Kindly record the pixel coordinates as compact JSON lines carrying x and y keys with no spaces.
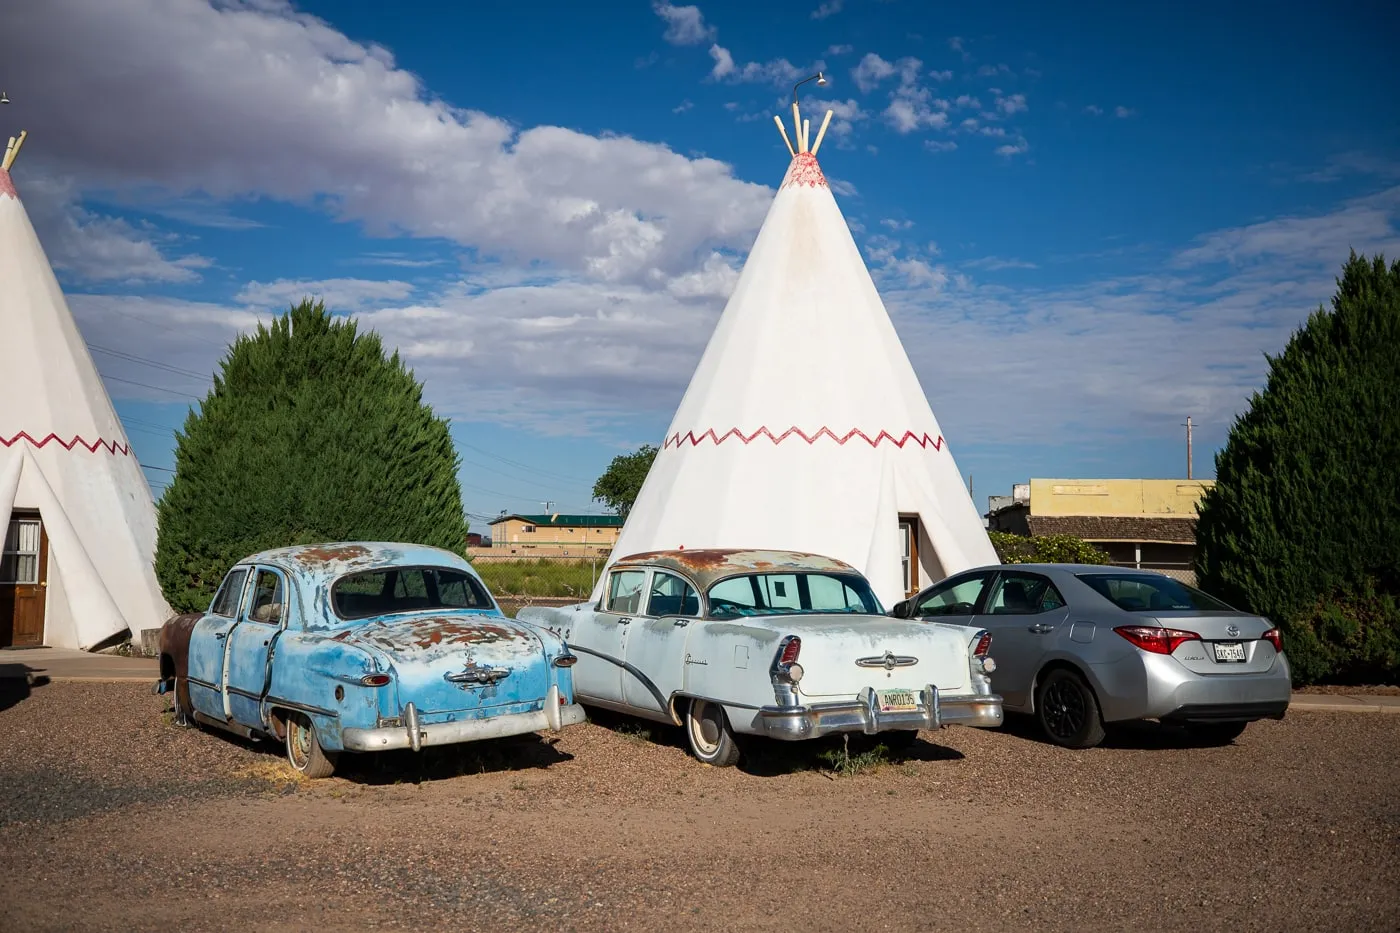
{"x":804,"y":170}
{"x":690,"y":437}
{"x":7,"y":185}
{"x":112,"y":447}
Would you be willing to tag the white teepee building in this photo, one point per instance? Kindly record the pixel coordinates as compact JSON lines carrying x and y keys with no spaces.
{"x":78,"y":521}
{"x":804,"y":426}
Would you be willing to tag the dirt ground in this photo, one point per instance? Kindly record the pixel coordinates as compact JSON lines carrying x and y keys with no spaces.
{"x":113,"y":819}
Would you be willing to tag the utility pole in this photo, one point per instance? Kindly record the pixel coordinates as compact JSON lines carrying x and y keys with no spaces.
{"x":1188,"y":427}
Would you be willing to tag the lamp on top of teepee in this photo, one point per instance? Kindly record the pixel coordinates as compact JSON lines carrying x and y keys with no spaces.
{"x":804,"y":426}
{"x":76,"y":513}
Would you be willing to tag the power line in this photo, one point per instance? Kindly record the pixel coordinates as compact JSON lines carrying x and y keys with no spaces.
{"x":519,"y":465}
{"x":133,"y":358}
{"x":143,"y":385}
{"x":162,"y":469}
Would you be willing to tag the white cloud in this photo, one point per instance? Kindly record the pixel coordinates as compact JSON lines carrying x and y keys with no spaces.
{"x":967,"y":101}
{"x":685,"y":25}
{"x":959,"y":44}
{"x":1094,"y":110}
{"x":844,"y":115}
{"x":1011,"y":104}
{"x":987,"y":71}
{"x":915,"y":110}
{"x":940,"y":75}
{"x":940,"y":145}
{"x":1016,"y":148}
{"x":1122,"y":112}
{"x":714,"y":279}
{"x":840,"y":49}
{"x":779,"y":71}
{"x":828,"y":8}
{"x":682,"y":107}
{"x":338,"y":294}
{"x":871,"y":70}
{"x":92,"y":247}
{"x":895,"y":224}
{"x":261,"y":101}
{"x":996,"y":264}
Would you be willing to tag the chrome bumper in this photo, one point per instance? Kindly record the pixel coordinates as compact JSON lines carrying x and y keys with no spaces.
{"x":863,"y":714}
{"x":415,"y":735}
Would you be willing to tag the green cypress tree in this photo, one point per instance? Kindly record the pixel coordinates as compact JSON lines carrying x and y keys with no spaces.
{"x":310,"y":433}
{"x":1303,"y":525}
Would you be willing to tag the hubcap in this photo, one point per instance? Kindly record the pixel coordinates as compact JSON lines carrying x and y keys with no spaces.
{"x":705,"y":727}
{"x":1064,"y":710}
{"x":298,"y":744}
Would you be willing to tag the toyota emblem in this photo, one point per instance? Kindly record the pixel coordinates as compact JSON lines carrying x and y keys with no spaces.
{"x":1232,"y":630}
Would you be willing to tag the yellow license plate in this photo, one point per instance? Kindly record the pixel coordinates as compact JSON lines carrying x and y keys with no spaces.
{"x":895,"y":701}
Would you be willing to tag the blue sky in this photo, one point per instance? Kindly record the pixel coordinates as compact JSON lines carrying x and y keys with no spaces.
{"x":1087,"y":221}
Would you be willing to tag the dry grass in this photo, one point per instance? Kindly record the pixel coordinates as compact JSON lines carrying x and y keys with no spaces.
{"x":540,"y":577}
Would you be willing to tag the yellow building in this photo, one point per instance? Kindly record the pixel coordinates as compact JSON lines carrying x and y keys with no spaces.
{"x":1144,"y":523}
{"x":554,"y":535}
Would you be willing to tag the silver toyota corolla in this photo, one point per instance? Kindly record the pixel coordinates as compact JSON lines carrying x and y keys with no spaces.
{"x":1078,"y":645}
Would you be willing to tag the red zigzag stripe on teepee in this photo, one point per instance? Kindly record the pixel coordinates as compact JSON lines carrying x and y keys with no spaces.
{"x":676,"y":440}
{"x":112,"y":447}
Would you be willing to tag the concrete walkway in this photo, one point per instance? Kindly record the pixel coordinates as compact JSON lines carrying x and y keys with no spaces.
{"x":68,"y":664}
{"x":71,"y":664}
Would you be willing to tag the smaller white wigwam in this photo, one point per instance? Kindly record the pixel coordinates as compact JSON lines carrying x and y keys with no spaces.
{"x":804,"y":426}
{"x":77,"y":516}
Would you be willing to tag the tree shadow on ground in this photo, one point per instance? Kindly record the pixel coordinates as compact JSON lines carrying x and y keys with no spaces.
{"x":1137,"y":735}
{"x":17,"y":682}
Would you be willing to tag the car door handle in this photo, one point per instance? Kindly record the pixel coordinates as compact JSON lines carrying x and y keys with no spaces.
{"x":1040,"y":628}
{"x":682,"y":622}
{"x":624,"y":621}
{"x":220,"y":635}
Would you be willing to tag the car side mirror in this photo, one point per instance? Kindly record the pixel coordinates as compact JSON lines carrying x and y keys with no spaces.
{"x":901,"y":609}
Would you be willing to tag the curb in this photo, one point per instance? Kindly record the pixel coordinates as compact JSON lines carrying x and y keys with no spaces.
{"x":1333,"y":703}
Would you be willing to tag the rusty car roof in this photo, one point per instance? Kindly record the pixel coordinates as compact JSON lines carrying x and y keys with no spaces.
{"x":707,"y":566}
{"x":329,"y":561}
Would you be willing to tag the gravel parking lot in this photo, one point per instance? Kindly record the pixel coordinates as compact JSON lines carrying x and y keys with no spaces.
{"x":114,"y":819}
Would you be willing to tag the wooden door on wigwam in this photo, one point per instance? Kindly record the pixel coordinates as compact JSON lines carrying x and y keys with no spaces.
{"x":24,"y":570}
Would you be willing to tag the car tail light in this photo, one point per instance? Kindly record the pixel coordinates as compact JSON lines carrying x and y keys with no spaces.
{"x":786,"y":666}
{"x":1275,"y":638}
{"x":375,"y":680}
{"x":984,"y":646}
{"x":1156,"y":639}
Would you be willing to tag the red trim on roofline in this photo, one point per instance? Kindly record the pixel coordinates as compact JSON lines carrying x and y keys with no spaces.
{"x":924,"y":440}
{"x":804,"y":171}
{"x":113,"y":447}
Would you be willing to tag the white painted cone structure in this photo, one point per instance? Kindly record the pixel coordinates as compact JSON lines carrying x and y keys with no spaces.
{"x":804,"y":426}
{"x":76,"y":513}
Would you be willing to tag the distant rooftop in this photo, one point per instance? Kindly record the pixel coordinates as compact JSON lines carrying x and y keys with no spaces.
{"x":565,"y":521}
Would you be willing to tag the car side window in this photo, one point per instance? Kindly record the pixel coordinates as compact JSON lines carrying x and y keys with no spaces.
{"x":1023,"y":594}
{"x":956,"y":597}
{"x":625,"y":591}
{"x":226,"y":600}
{"x":267,"y":598}
{"x":671,"y":596}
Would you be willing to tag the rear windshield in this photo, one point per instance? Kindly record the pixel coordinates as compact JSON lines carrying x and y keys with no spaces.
{"x":1141,"y":592}
{"x":406,"y":589}
{"x":759,"y":594}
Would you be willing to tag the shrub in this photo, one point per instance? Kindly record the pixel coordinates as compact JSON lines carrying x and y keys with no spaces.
{"x":310,"y":433}
{"x":1303,"y":524}
{"x":1044,"y":549}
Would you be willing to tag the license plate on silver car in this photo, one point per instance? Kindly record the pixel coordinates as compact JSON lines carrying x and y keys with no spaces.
{"x":1229,"y":651}
{"x":894,"y":701}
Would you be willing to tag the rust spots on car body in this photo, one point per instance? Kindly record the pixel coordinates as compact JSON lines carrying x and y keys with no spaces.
{"x":425,"y":634}
{"x":707,"y":566}
{"x":329,"y":553}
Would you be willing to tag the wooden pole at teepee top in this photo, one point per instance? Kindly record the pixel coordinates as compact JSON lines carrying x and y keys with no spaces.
{"x":797,"y":127}
{"x":821,"y":132}
{"x":779,"y":120}
{"x":12,"y":150}
{"x":806,"y":135}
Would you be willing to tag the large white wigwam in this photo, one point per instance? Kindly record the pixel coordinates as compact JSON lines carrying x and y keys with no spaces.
{"x":78,"y":520}
{"x":805,"y":426}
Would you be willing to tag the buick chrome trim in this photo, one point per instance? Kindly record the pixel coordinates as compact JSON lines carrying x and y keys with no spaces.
{"x":889,"y":661}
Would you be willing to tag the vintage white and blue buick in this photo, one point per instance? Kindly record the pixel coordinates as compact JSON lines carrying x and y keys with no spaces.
{"x":770,"y":643}
{"x":362,"y":647}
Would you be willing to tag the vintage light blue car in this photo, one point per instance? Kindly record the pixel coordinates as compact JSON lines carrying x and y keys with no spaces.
{"x":362,"y":647}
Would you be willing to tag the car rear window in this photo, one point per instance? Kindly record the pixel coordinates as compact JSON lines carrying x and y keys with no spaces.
{"x":1142,"y":592}
{"x":406,"y":589}
{"x":759,"y":594}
